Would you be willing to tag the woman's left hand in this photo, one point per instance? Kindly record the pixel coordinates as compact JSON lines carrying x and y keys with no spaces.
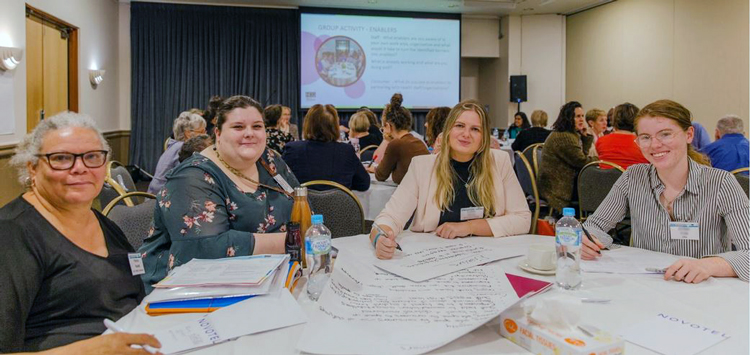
{"x":689,"y":270}
{"x":451,"y":230}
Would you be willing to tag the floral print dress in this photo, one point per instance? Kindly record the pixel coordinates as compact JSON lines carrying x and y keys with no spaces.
{"x":202,"y":214}
{"x":276,"y":139}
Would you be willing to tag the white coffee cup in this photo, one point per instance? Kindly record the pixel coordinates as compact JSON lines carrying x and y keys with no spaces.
{"x":541,"y":257}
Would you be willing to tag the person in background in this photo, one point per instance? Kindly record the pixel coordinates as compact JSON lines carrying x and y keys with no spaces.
{"x":359,"y":128}
{"x":610,"y":122}
{"x":194,"y":145}
{"x":433,"y":126}
{"x":536,"y":134}
{"x":229,"y":200}
{"x":619,"y":147}
{"x":65,"y":265}
{"x":596,"y":120}
{"x":284,"y":124}
{"x":730,"y":149}
{"x":440,"y":190}
{"x":209,"y":114}
{"x":702,"y":139}
{"x":678,"y":186}
{"x":520,"y":123}
{"x":276,"y":138}
{"x":186,"y":126}
{"x":321,"y":157}
{"x":565,"y":153}
{"x":374,"y":124}
{"x":402,"y":145}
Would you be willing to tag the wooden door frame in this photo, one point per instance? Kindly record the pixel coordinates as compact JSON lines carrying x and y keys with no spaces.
{"x":72,"y":52}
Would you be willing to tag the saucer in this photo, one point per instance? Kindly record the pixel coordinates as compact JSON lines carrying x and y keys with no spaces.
{"x":525,"y":267}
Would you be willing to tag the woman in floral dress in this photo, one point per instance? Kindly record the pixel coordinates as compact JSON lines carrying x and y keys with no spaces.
{"x":224,"y":201}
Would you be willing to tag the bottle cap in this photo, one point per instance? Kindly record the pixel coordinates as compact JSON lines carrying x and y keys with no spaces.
{"x":300,"y":191}
{"x":316,"y":219}
{"x":569,"y":212}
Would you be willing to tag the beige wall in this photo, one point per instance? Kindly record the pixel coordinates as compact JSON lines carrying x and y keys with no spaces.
{"x":691,"y":51}
{"x":97,"y":21}
{"x":479,"y":37}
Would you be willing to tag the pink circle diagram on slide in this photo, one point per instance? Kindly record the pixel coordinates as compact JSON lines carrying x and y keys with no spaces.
{"x":339,"y":61}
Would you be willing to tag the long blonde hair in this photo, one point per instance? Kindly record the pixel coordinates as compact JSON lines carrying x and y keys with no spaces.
{"x":481,"y":189}
{"x":677,"y":113}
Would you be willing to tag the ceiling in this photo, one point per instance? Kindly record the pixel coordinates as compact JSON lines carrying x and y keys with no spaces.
{"x":466,"y":7}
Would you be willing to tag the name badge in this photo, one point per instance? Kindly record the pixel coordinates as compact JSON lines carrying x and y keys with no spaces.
{"x":468,"y":213}
{"x":284,"y":185}
{"x":136,"y":264}
{"x":684,"y":230}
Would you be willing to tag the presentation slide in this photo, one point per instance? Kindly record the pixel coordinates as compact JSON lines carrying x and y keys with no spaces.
{"x":352,"y":61}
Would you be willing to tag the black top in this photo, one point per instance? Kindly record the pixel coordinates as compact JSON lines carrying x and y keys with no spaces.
{"x":334,"y":161}
{"x":369,"y":140}
{"x":375,"y":132}
{"x":530,"y":136}
{"x":461,"y":199}
{"x":52,"y":292}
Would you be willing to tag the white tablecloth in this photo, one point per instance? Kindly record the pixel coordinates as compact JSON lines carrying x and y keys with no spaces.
{"x":374,"y":199}
{"x":721,"y":303}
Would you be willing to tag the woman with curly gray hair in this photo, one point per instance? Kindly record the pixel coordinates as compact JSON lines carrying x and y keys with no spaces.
{"x":65,"y":264}
{"x":185,"y":126}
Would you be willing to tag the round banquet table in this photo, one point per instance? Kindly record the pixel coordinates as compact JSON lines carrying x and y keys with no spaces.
{"x":374,"y":199}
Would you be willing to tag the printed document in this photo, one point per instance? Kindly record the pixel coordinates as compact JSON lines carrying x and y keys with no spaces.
{"x":669,"y":334}
{"x":248,"y":271}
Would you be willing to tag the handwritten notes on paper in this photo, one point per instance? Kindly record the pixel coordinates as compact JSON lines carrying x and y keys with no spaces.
{"x":427,"y":258}
{"x":363,"y":311}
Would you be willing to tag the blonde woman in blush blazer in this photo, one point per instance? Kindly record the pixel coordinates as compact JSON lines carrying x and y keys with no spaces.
{"x":467,"y":189}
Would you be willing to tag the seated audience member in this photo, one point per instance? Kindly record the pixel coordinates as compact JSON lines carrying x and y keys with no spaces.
{"x":596,"y":120}
{"x":433,"y":126}
{"x":194,"y":145}
{"x":65,"y":265}
{"x":284,"y":124}
{"x":730,"y":149}
{"x":224,"y":201}
{"x":564,"y":154}
{"x":678,"y":186}
{"x":402,"y":146}
{"x":610,"y":127}
{"x":520,"y":123}
{"x":619,"y":147}
{"x":275,"y":138}
{"x":186,"y":126}
{"x":702,"y":138}
{"x":359,"y":128}
{"x":536,"y":134}
{"x":209,"y":114}
{"x":440,"y":189}
{"x":374,"y":124}
{"x":321,"y":157}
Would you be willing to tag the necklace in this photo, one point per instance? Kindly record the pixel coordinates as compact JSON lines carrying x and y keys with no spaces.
{"x":465,"y":182}
{"x":251,"y":180}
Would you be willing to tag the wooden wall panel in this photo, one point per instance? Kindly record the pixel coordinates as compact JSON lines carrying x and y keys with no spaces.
{"x":34,"y":72}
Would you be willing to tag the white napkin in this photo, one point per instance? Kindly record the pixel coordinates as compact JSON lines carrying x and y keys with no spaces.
{"x":558,"y":311}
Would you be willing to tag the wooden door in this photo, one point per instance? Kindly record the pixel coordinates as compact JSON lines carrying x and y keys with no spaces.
{"x":48,"y":71}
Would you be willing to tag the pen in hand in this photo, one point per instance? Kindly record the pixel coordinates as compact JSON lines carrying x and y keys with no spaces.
{"x":591,"y":239}
{"x":380,"y":232}
{"x":117,"y":329}
{"x":373,"y":160}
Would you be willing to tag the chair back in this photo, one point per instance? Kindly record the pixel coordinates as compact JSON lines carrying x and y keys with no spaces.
{"x":342,"y":212}
{"x":121,"y":181}
{"x":135,"y":221}
{"x":744,"y":182}
{"x":106,"y":196}
{"x":533,"y":155}
{"x":526,"y":178}
{"x":594,"y":183}
{"x":366,"y":153}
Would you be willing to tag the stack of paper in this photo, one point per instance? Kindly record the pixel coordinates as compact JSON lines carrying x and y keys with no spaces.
{"x":207,"y":285}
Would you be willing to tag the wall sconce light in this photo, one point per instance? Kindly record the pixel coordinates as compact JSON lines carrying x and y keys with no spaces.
{"x":10,"y":57}
{"x":96,"y":77}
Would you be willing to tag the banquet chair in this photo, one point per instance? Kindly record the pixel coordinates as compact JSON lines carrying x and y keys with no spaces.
{"x":121,"y":181}
{"x":741,"y":176}
{"x":135,"y":221}
{"x":106,"y":196}
{"x":594,"y":184}
{"x":365,"y":154}
{"x":342,"y":212}
{"x":533,"y":155}
{"x":526,"y":178}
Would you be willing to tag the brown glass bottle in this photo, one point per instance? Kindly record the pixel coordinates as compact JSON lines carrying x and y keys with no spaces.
{"x":301,"y":214}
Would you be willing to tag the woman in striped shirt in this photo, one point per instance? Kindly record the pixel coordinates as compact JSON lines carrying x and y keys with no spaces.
{"x":677,"y":186}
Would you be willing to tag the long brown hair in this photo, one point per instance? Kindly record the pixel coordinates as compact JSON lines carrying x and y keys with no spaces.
{"x":677,"y":113}
{"x":481,"y":189}
{"x":321,"y":124}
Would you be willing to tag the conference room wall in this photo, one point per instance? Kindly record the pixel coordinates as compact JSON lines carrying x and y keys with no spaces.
{"x":691,"y":51}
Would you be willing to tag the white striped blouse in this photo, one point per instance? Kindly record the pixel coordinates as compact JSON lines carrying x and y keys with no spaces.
{"x":713,"y":198}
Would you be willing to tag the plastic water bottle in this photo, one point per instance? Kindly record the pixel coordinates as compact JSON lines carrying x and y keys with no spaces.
{"x":319,"y":238}
{"x":568,"y":234}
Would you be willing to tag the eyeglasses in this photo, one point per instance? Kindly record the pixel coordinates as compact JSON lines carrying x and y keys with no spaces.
{"x":645,"y":140}
{"x":65,"y":160}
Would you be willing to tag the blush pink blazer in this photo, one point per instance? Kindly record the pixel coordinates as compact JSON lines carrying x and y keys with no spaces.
{"x":417,"y":193}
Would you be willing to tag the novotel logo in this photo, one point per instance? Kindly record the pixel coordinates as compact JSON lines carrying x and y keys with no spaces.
{"x":208,"y":328}
{"x":692,"y":325}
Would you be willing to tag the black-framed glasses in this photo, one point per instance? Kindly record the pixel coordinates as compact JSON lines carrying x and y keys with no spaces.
{"x":66,"y":160}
